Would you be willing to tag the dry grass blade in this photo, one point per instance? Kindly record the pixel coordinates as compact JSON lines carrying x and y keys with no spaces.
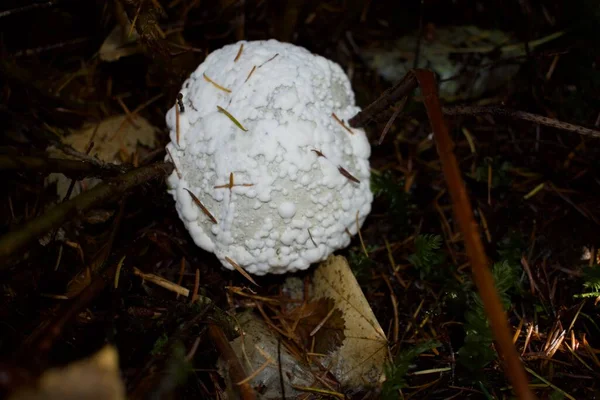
{"x":318,"y":153}
{"x":320,"y":324}
{"x":318,"y":391}
{"x":532,"y":372}
{"x":474,"y":246}
{"x":215,"y":84}
{"x":202,"y":207}
{"x":196,"y":286}
{"x":174,"y":164}
{"x":348,"y":175}
{"x":389,"y":124}
{"x":239,"y":53}
{"x":339,"y":121}
{"x":162,"y":282}
{"x":250,"y":73}
{"x":362,"y":242}
{"x":269,"y":60}
{"x":241,"y":270}
{"x":231,"y":117}
{"x":311,"y":238}
{"x":118,"y":272}
{"x":177,"y":129}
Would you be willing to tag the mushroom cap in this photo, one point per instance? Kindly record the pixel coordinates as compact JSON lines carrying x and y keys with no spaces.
{"x":269,"y":118}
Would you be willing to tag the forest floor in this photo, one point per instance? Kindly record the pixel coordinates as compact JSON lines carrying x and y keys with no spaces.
{"x":534,"y":188}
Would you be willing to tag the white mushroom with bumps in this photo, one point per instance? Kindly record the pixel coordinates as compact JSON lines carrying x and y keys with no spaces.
{"x":268,"y":175}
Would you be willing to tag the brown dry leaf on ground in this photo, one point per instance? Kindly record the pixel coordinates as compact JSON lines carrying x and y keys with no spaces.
{"x":363,"y":353}
{"x":326,"y":334}
{"x":320,"y":325}
{"x":96,"y":377}
{"x":259,"y":352}
{"x":113,"y":136}
{"x":119,"y":43}
{"x":115,"y":140}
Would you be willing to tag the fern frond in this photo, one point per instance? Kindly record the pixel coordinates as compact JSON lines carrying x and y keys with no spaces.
{"x":396,"y":373}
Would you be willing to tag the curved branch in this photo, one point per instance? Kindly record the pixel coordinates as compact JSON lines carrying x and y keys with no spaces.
{"x":71,"y":168}
{"x":463,"y":211}
{"x":522,"y":115}
{"x":55,"y":217}
{"x":387,"y":98}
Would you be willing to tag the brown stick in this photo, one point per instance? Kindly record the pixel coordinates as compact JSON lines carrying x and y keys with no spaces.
{"x":41,"y":340}
{"x":389,"y":97}
{"x":55,"y":217}
{"x":71,"y":168}
{"x":525,"y":116}
{"x":464,"y":214}
{"x":236,"y":371}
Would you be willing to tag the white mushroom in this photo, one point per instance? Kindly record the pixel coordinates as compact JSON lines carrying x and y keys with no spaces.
{"x":268,"y":175}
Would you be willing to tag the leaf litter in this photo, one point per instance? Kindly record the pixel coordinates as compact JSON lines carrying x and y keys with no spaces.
{"x":113,"y":140}
{"x":522,"y":175}
{"x":332,"y":330}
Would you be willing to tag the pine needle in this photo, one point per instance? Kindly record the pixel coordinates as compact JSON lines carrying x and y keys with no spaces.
{"x":239,"y":53}
{"x":202,"y":207}
{"x":339,"y":121}
{"x":241,"y":270}
{"x":235,"y":121}
{"x":348,"y":175}
{"x":215,"y":84}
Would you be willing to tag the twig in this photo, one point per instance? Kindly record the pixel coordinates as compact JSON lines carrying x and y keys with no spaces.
{"x":91,"y":159}
{"x":71,"y":168}
{"x":522,"y":115}
{"x":389,"y":97}
{"x":236,"y":371}
{"x":43,"y":337}
{"x":55,"y":217}
{"x":162,"y":282}
{"x":390,"y":122}
{"x":464,"y":214}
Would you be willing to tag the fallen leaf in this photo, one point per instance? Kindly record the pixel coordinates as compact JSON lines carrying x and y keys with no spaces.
{"x":319,"y":321}
{"x":96,"y":377}
{"x":111,"y":137}
{"x":257,"y":346}
{"x":119,"y":43}
{"x":363,"y":352}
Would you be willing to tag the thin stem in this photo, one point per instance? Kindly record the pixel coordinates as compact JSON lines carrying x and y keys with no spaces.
{"x":522,"y":115}
{"x":55,"y":217}
{"x":464,"y":214}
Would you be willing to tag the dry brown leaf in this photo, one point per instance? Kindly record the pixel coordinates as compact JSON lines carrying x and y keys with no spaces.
{"x":115,"y":136}
{"x":360,"y":359}
{"x":96,"y":377}
{"x":319,"y":321}
{"x":257,"y":349}
{"x":119,"y":44}
{"x":112,"y":135}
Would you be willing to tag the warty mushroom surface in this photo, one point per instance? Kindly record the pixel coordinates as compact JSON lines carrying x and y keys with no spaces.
{"x":268,"y":175}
